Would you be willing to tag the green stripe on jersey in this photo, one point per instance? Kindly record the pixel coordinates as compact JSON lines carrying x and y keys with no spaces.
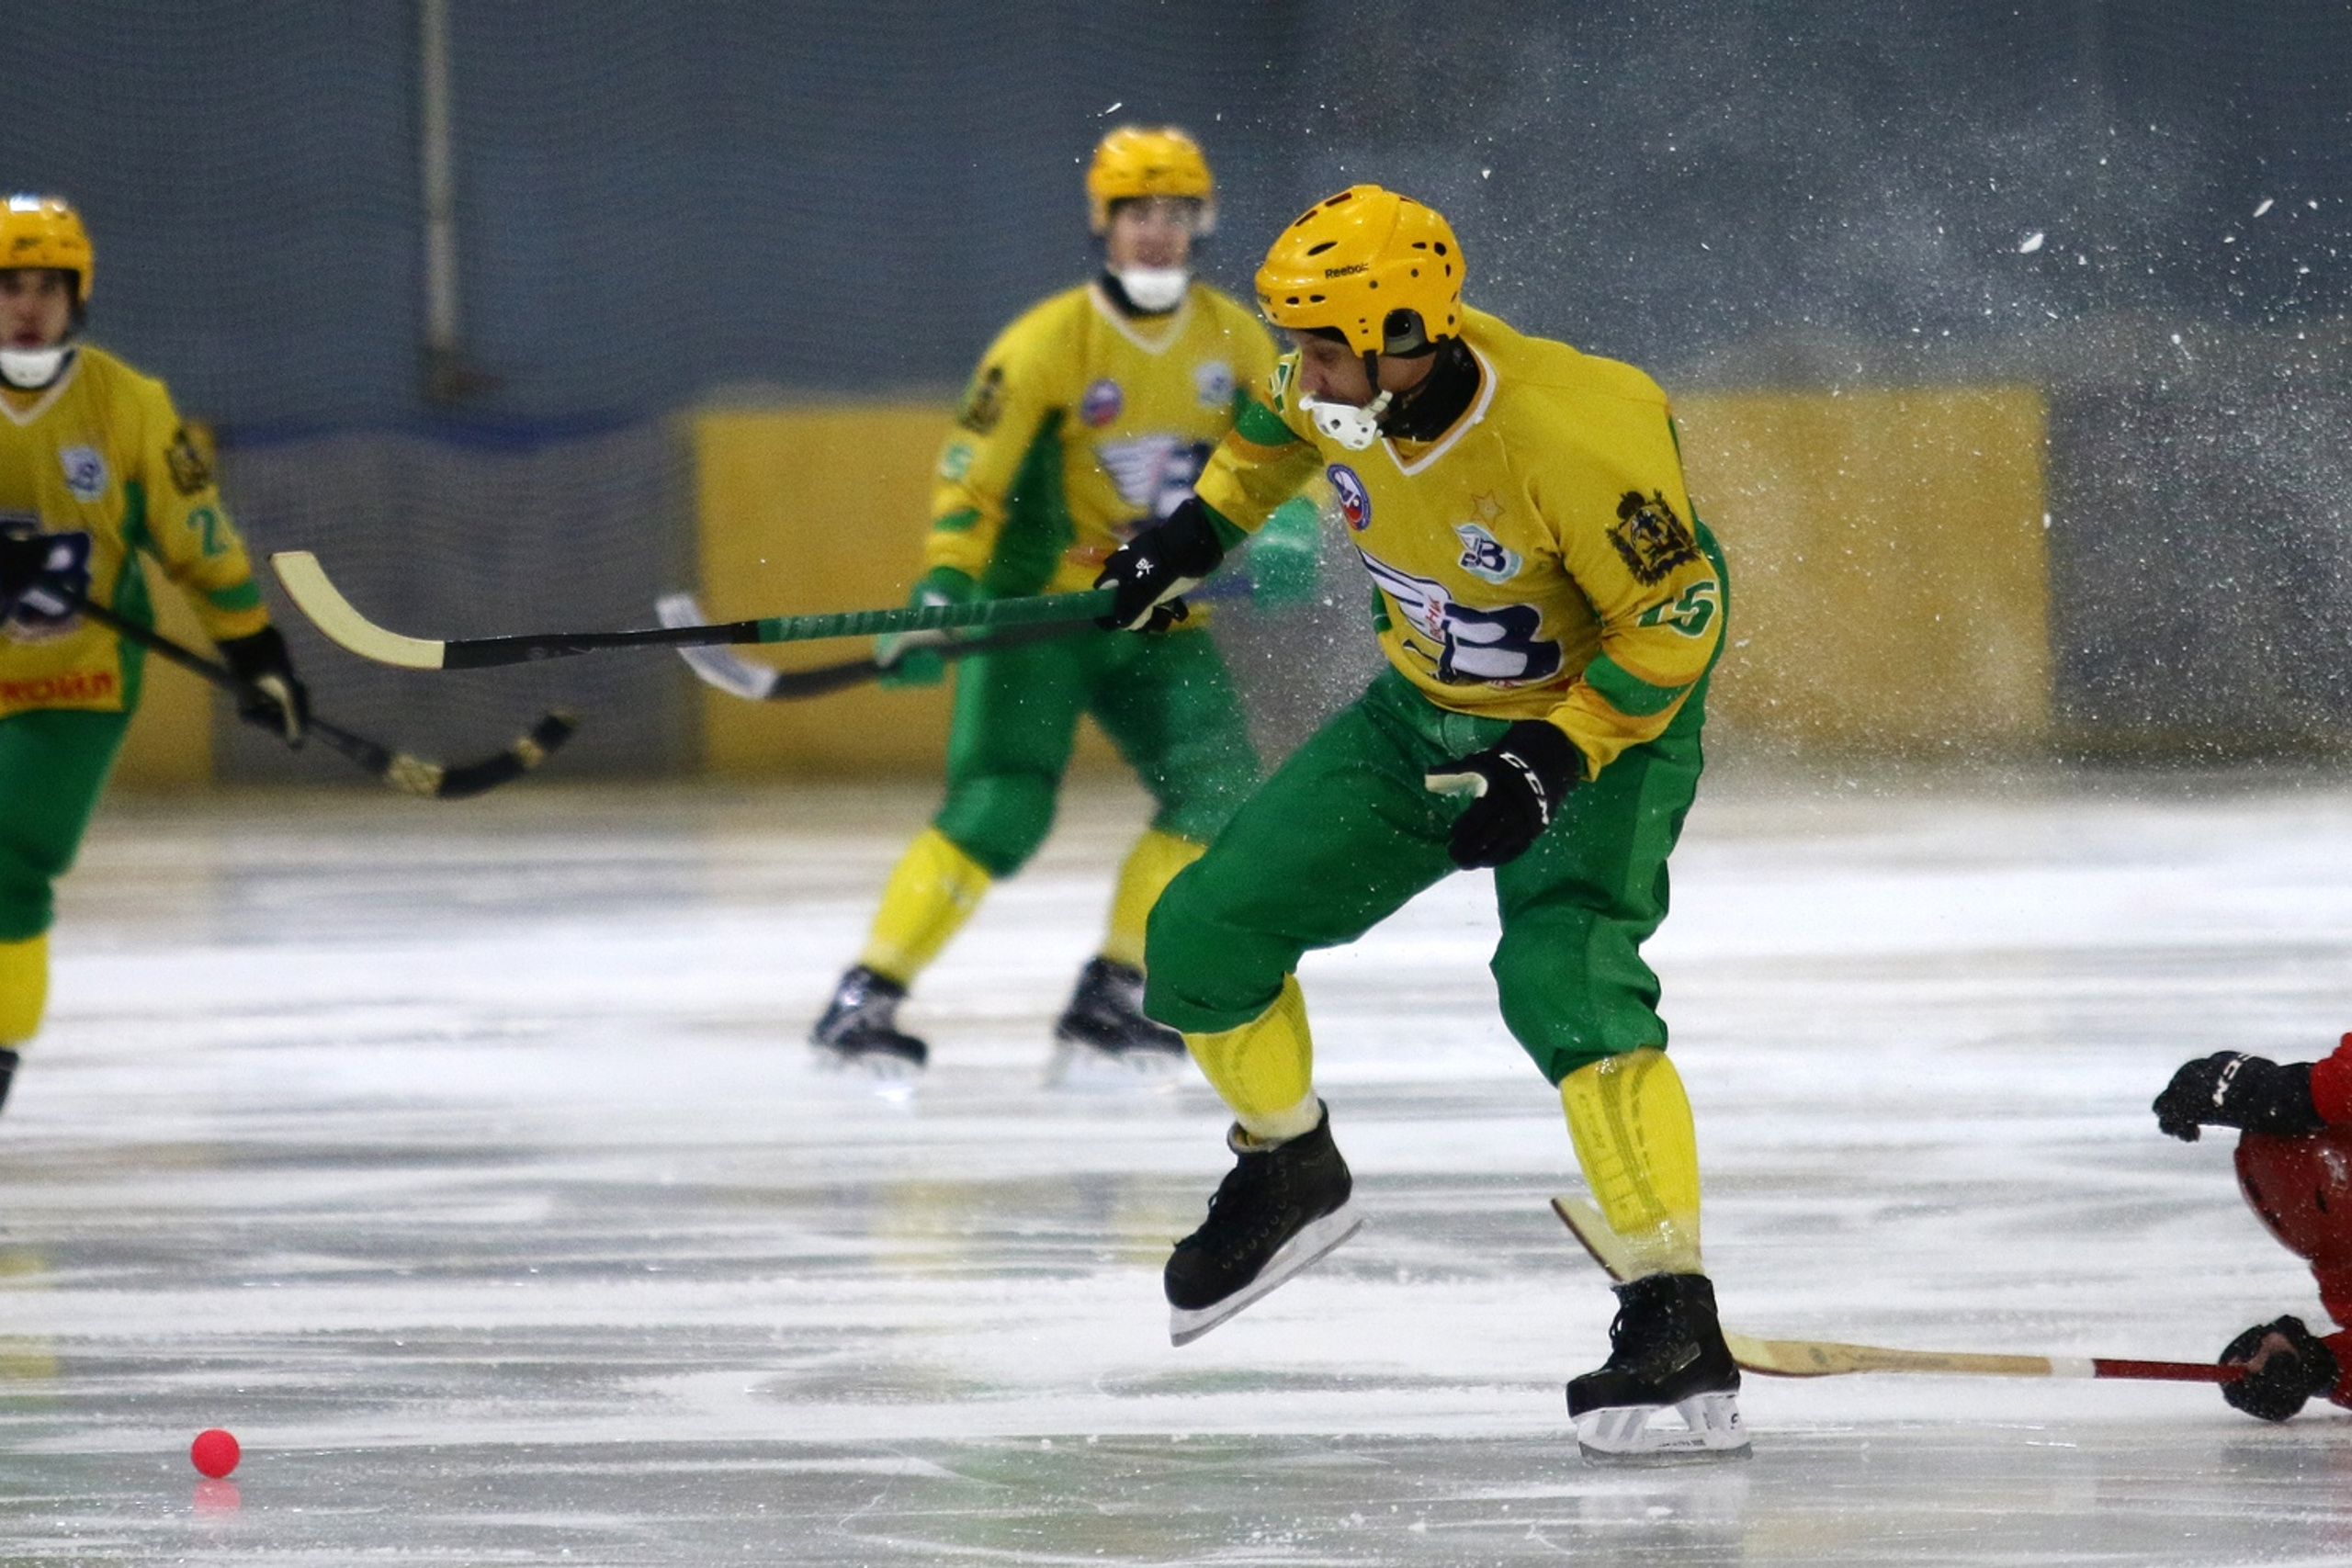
{"x":245,"y":595}
{"x":1628,"y":692}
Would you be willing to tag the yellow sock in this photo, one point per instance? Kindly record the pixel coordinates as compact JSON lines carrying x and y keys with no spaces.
{"x":1265,"y":1070}
{"x":934,"y":891}
{"x":24,"y":989}
{"x":1631,"y":1123}
{"x":1151,"y":866}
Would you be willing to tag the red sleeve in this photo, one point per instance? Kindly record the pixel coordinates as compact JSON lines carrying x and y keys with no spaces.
{"x":2332,"y":1085}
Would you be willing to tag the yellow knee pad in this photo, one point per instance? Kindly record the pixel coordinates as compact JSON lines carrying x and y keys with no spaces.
{"x":24,"y":989}
{"x":1631,"y":1123}
{"x":928,"y":896}
{"x":1151,"y":866}
{"x":1265,"y":1070}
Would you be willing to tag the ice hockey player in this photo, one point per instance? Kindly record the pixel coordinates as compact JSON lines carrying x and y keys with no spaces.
{"x":94,"y":468}
{"x":1550,"y":609}
{"x":1087,"y":417}
{"x":2294,"y":1163}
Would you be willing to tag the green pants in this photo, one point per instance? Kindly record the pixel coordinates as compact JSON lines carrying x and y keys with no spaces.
{"x":1166,"y":702}
{"x":1345,"y":833}
{"x":53,"y":763}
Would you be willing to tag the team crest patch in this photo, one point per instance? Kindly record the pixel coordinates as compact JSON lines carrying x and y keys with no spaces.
{"x":85,"y":471}
{"x":1213,"y":384}
{"x":1101,"y":402}
{"x":1355,"y":502}
{"x":190,"y":472}
{"x":983,"y":402}
{"x":1650,"y":537}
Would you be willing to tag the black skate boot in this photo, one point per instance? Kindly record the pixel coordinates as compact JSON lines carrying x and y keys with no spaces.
{"x":8,"y":1060}
{"x":1105,"y":1026}
{"x":860,"y":1028}
{"x":1278,"y":1210}
{"x":1665,"y":1348}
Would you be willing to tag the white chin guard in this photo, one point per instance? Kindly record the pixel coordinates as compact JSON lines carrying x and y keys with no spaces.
{"x":1353,"y":428}
{"x":1155,"y":289}
{"x":30,"y":369}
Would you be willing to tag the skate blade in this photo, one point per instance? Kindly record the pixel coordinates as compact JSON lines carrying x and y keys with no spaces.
{"x":1084,"y":1069}
{"x":892,"y":1077}
{"x":1712,"y":1429}
{"x":1301,"y":1252}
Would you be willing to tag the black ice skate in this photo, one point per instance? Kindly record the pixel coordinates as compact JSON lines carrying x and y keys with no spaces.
{"x":1665,"y":1348}
{"x":860,"y":1029}
{"x":1102,"y":1034}
{"x":1279,"y":1209}
{"x":8,"y":1060}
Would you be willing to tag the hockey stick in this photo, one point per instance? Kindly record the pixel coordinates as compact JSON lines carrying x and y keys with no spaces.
{"x":1824,"y":1358}
{"x":409,"y":774}
{"x":759,"y":683}
{"x":318,"y":598}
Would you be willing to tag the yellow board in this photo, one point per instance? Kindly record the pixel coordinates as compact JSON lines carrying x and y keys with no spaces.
{"x":1889,"y":574}
{"x":821,"y":508}
{"x":169,"y":744}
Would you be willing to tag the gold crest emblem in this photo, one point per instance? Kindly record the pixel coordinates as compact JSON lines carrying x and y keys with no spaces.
{"x":983,"y":402}
{"x":1650,"y":537}
{"x":190,"y":472}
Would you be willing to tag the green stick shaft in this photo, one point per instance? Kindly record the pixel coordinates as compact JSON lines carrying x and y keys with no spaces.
{"x":1044,"y":609}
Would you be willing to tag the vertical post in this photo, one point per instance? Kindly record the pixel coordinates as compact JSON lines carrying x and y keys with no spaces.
{"x":447,"y":379}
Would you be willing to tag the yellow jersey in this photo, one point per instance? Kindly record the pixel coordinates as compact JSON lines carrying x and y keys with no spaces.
{"x":1538,"y":560}
{"x":101,"y":458}
{"x":1081,"y":425}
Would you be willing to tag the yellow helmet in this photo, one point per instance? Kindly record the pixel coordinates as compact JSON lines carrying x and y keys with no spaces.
{"x":44,"y":231}
{"x":1137,"y":160}
{"x":1352,"y":261}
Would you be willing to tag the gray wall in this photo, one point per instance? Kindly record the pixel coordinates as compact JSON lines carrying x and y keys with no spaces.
{"x":660,"y":200}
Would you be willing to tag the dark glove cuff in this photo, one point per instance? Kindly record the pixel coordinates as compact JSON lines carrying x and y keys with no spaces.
{"x":262,"y":653}
{"x":1545,"y":747}
{"x":1187,"y":540}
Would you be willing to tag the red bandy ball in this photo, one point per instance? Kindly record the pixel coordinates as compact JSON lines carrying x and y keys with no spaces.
{"x":214,"y":1452}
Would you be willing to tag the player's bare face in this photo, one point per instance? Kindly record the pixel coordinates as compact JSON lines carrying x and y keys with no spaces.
{"x":1151,"y":231}
{"x":1333,"y":373}
{"x":35,"y":307}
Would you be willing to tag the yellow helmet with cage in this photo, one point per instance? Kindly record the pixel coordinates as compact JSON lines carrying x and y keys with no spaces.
{"x":1140,"y":160}
{"x":44,"y":232}
{"x":1379,"y":268}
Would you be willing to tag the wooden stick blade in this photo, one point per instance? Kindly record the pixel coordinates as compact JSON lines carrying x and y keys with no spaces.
{"x":317,"y":597}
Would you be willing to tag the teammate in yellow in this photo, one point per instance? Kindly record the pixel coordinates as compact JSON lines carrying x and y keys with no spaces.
{"x":94,"y":468}
{"x":1550,"y":609}
{"x":1088,"y":418}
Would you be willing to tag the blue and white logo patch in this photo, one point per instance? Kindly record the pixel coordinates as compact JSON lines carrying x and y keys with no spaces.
{"x":1213,"y":384}
{"x":1355,"y":502}
{"x":1101,"y":402}
{"x":85,"y":471}
{"x":1482,"y":555}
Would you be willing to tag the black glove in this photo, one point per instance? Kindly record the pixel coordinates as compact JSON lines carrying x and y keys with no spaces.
{"x":42,"y":574}
{"x":2290,"y":1364}
{"x":282,"y":703}
{"x":23,"y":558}
{"x":2228,"y":1089}
{"x":1160,"y":562}
{"x":1520,"y":781}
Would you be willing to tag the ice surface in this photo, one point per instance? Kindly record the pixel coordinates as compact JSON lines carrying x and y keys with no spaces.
{"x":464,"y":1162}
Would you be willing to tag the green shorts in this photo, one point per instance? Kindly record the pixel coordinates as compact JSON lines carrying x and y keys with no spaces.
{"x":1167,"y":701}
{"x":1345,"y":833}
{"x":53,"y":765}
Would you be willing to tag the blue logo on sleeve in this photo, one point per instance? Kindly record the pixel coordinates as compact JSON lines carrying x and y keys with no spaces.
{"x":1355,"y":502}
